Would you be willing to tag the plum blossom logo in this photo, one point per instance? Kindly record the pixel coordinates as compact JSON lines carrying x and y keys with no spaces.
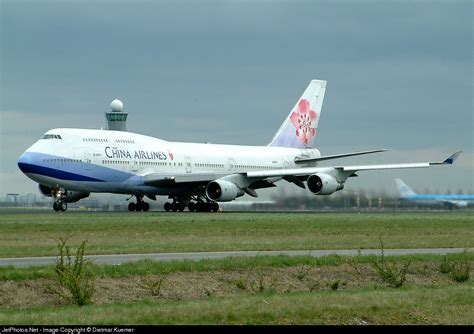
{"x":170,"y":154}
{"x":302,"y":120}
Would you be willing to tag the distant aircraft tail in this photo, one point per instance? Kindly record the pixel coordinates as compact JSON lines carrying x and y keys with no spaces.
{"x":404,"y":190}
{"x":299,"y":128}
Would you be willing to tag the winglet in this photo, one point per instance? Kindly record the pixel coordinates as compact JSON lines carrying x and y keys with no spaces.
{"x":452,"y":158}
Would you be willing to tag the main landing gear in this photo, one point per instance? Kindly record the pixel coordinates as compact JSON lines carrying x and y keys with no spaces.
{"x":60,"y":206}
{"x":140,"y":205}
{"x":59,"y":203}
{"x":201,"y":205}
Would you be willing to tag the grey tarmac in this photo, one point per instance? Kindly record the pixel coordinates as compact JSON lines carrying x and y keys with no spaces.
{"x":116,"y":259}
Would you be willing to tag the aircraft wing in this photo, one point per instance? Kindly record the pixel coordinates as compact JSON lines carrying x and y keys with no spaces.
{"x":343,"y":172}
{"x":303,"y":159}
{"x":249,"y":181}
{"x":168,"y":179}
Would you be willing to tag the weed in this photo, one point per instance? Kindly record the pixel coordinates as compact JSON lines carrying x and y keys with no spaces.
{"x":208,"y":292}
{"x":262,"y":287}
{"x":303,"y":270}
{"x":150,"y":283}
{"x":354,"y":261}
{"x":312,"y":286}
{"x":458,"y":270}
{"x":334,"y":285}
{"x":446,"y":266}
{"x":391,"y":273}
{"x":243,"y":282}
{"x":240,"y":284}
{"x":74,"y":279}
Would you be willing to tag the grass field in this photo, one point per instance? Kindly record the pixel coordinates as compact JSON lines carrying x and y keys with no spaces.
{"x":37,"y":234}
{"x":441,"y":305}
{"x":262,"y":290}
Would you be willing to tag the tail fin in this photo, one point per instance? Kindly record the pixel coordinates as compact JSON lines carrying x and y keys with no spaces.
{"x":404,"y":190}
{"x":299,"y":128}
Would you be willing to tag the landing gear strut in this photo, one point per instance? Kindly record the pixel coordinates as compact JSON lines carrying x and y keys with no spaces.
{"x":140,"y":205}
{"x":59,"y":204}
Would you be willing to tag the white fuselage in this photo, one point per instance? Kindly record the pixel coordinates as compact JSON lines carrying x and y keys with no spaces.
{"x":116,"y":161}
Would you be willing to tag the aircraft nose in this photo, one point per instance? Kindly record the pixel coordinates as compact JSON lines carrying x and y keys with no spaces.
{"x":24,"y":162}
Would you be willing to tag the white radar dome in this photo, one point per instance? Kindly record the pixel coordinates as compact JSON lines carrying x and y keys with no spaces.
{"x":116,"y":105}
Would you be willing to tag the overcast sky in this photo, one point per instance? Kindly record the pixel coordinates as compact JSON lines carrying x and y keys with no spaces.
{"x":399,"y":76}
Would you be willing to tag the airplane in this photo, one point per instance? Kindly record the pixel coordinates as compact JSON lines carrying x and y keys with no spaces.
{"x":69,"y":164}
{"x":406,"y":193}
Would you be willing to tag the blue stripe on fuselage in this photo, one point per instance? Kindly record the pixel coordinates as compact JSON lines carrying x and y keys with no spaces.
{"x":442,"y":197}
{"x":68,"y":169}
{"x":55,"y":173}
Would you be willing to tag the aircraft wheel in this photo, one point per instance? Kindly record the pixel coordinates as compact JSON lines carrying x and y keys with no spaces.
{"x":200,"y":207}
{"x":215,"y":206}
{"x":145,"y":206}
{"x":192,"y":206}
{"x":174,"y":207}
{"x":181,"y":207}
{"x":167,"y":206}
{"x":63,"y":206}
{"x":139,"y":206}
{"x":132,"y":206}
{"x":56,"y":206}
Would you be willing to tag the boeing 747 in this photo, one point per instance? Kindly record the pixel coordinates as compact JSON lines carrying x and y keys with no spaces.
{"x":69,"y":164}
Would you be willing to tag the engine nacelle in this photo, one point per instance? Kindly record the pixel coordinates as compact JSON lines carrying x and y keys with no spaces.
{"x":222,"y":191}
{"x":45,"y":190}
{"x":323,"y":184}
{"x":74,"y":196}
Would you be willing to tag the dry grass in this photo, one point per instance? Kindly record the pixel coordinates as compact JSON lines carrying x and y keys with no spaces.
{"x":222,"y":283}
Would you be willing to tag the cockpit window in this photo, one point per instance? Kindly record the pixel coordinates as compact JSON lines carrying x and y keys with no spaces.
{"x":51,"y":136}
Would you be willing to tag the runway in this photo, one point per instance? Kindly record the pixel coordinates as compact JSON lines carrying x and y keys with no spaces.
{"x":116,"y":259}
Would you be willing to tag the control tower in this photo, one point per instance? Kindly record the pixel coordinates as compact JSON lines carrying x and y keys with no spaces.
{"x":117,"y":118}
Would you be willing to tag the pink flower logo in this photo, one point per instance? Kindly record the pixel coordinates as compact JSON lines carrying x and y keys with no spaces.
{"x":302,"y":120}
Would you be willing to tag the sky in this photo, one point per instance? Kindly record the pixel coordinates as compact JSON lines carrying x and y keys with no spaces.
{"x":399,"y":77}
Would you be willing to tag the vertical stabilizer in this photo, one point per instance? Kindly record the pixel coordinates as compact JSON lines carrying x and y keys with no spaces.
{"x":404,"y":190}
{"x":299,"y":128}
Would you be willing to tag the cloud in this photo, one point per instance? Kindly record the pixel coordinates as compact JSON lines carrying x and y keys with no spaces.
{"x":399,"y":73}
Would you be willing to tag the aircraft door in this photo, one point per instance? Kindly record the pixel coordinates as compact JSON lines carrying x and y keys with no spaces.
{"x":187,"y":164}
{"x":231,"y":165}
{"x":87,"y":159}
{"x":134,"y":165}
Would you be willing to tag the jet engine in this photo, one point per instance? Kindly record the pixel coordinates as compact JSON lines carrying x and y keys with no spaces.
{"x":222,"y":191}
{"x":45,"y":190}
{"x":74,"y":196}
{"x":323,"y":184}
{"x":63,"y":195}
